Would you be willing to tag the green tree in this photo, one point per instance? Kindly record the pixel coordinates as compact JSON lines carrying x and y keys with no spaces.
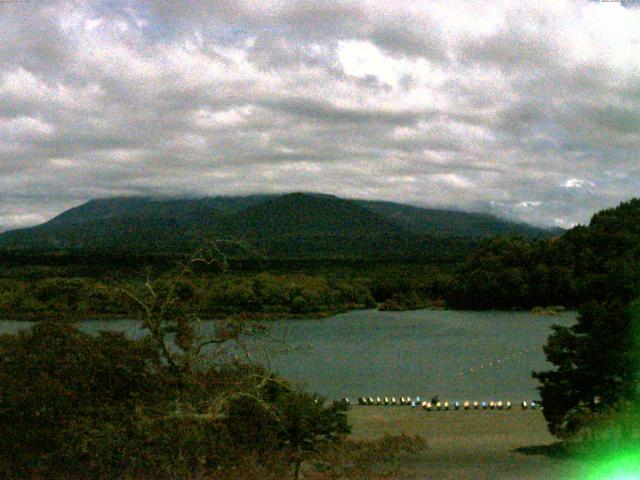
{"x":302,"y":423}
{"x":597,"y":359}
{"x":596,"y":366}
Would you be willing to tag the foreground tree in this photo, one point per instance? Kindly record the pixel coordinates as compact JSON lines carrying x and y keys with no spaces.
{"x":597,"y":364}
{"x":75,"y":405}
{"x":69,"y":400}
{"x":597,"y":360}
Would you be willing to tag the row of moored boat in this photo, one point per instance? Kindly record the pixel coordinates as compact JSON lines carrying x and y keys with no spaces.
{"x":416,"y":402}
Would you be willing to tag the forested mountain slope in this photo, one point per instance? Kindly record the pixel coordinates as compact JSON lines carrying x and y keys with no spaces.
{"x":296,"y":225}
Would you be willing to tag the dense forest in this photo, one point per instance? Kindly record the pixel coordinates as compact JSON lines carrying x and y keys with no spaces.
{"x":287,"y":255}
{"x":37,"y":291}
{"x":587,"y":263}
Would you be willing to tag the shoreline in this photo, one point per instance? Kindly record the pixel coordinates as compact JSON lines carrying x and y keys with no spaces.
{"x":276,"y":316}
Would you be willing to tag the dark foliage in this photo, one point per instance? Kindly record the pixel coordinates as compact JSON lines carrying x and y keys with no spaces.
{"x":597,"y":361}
{"x":596,"y":366}
{"x":599,"y":262}
{"x":74,"y":405}
{"x":69,"y":400}
{"x":512,"y":273}
{"x":259,"y":295}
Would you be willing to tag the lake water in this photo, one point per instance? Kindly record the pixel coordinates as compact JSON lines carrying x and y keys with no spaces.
{"x":454,"y":354}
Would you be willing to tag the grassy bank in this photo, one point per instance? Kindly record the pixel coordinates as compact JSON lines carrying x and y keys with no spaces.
{"x":492,"y":445}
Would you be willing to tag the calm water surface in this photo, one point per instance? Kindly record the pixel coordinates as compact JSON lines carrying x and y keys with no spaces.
{"x":454,"y":354}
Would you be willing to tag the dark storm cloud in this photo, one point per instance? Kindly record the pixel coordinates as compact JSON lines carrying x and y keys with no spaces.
{"x":525,"y":110}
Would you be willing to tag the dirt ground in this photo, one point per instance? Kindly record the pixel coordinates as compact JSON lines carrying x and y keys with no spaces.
{"x":493,"y":445}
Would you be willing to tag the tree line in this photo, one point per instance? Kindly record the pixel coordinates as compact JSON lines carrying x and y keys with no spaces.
{"x":261,"y":296}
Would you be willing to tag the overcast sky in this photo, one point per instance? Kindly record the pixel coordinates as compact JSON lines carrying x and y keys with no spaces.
{"x":529,"y":110}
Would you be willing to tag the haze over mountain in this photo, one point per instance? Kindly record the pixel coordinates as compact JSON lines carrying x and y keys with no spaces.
{"x":295,"y":225}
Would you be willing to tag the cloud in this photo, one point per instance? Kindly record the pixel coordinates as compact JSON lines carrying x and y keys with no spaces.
{"x":524,"y":110}
{"x":577,"y":183}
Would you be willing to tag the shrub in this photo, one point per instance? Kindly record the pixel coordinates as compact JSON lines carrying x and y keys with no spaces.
{"x":75,"y":405}
{"x":69,"y":399}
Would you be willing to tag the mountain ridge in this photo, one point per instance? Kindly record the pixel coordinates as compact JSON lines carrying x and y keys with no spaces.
{"x":292,"y":224}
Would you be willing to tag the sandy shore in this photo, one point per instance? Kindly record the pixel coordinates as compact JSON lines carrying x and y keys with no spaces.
{"x":477,"y":445}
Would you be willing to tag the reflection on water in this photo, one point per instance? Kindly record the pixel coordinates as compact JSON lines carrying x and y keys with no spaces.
{"x":457,"y":355}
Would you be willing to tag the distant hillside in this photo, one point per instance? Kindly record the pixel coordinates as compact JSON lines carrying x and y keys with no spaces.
{"x":452,"y":223}
{"x":296,"y":225}
{"x":144,"y":207}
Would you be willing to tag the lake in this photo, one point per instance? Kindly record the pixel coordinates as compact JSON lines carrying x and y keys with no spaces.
{"x":454,"y":354}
